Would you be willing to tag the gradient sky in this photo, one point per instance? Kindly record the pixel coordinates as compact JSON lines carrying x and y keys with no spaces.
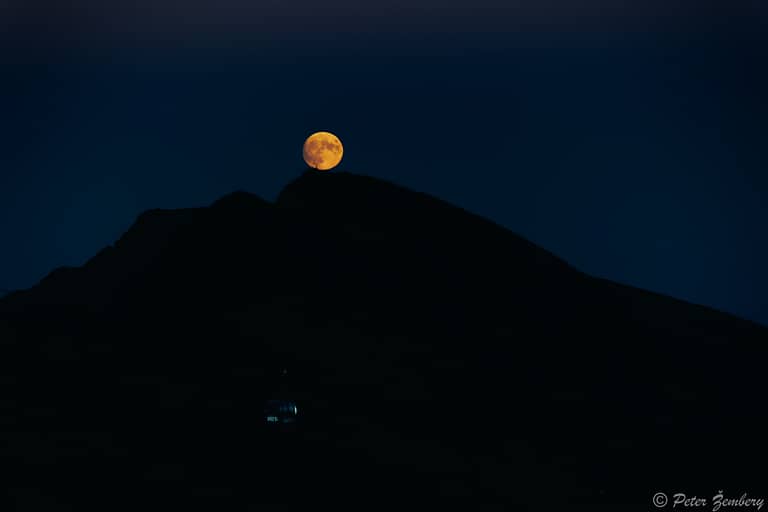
{"x":630,"y":140}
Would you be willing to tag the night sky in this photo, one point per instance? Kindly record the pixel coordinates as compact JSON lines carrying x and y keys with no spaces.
{"x":631,"y":141}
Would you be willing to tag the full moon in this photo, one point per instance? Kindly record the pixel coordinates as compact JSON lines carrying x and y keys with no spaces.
{"x":323,"y":151}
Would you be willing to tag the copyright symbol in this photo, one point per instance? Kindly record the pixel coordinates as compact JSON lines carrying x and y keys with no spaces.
{"x":660,"y":500}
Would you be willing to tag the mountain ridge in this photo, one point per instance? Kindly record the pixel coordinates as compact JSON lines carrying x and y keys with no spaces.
{"x":433,"y":354}
{"x":310,"y":193}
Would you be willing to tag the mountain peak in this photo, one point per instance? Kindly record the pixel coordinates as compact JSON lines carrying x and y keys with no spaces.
{"x":385,"y":304}
{"x":363,"y":204}
{"x":349,"y":188}
{"x":239,"y":199}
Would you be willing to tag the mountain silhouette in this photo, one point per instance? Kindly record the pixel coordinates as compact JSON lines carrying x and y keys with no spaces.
{"x":433,"y":355}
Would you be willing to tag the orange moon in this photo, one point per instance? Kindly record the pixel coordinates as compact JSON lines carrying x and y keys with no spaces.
{"x":323,"y":151}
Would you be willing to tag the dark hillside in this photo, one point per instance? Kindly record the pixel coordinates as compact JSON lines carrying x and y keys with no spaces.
{"x":432,"y":354}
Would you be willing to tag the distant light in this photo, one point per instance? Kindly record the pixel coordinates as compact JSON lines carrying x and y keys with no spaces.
{"x":280,"y":411}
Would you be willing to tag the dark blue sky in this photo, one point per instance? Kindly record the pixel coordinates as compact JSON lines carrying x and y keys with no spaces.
{"x":633,"y":147}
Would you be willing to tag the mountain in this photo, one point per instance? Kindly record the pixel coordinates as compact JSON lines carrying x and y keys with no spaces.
{"x":433,"y":356}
